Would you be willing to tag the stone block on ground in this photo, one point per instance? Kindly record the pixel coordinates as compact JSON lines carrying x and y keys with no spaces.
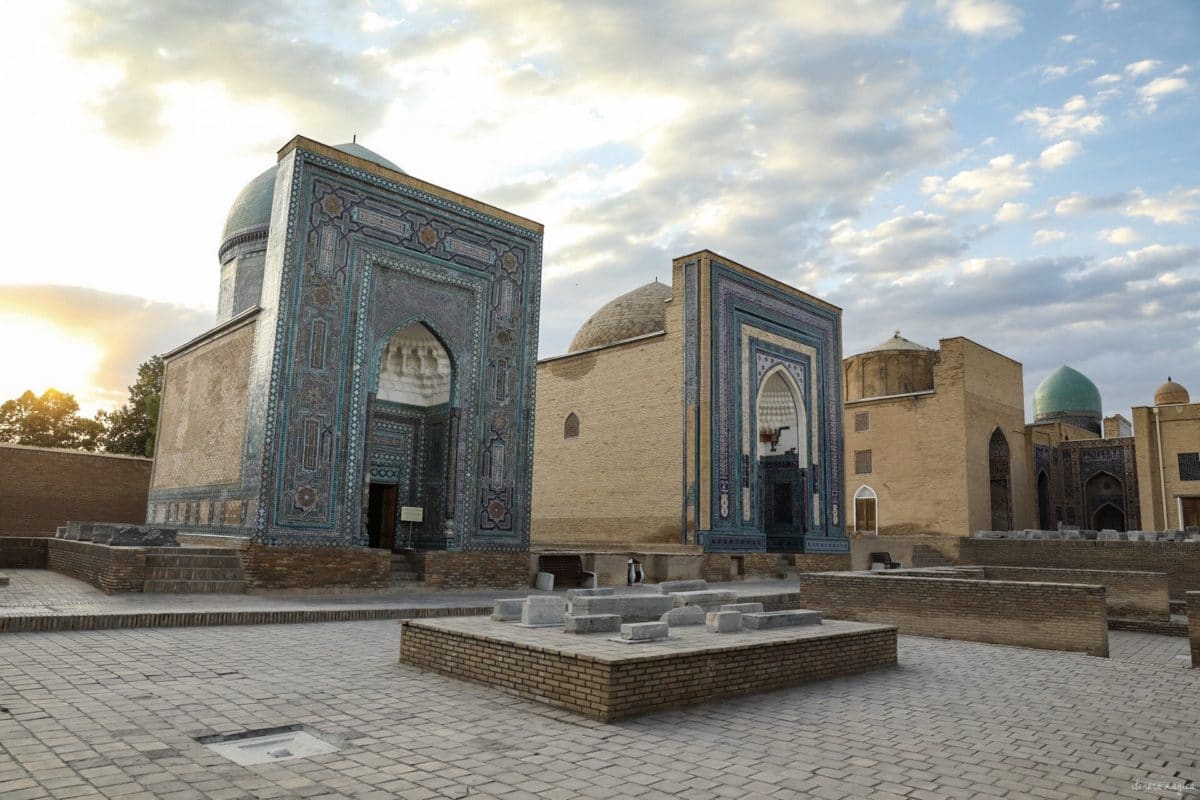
{"x":683,"y":615}
{"x":705,"y":599}
{"x":3,"y":579}
{"x":60,"y":532}
{"x":544,"y":581}
{"x":603,"y":591}
{"x":670,"y":587}
{"x":543,"y":610}
{"x":141,"y":536}
{"x":592,"y":623}
{"x":780,"y":619}
{"x":744,"y":608}
{"x":644,"y":631}
{"x":507,"y":610}
{"x":724,"y":621}
{"x":631,"y":607}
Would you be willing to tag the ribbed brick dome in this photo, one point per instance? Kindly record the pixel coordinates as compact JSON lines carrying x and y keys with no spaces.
{"x":1170,"y":394}
{"x":632,"y":314}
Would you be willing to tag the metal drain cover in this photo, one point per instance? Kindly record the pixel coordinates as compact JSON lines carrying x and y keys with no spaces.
{"x":268,"y":746}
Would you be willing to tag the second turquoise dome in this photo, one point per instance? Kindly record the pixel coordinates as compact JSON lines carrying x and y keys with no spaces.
{"x":1066,"y":391}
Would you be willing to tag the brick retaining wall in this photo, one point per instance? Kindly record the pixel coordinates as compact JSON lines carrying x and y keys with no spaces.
{"x":110,"y":569}
{"x":1193,"y":609}
{"x":472,"y":569}
{"x":1179,"y":560}
{"x":1048,"y":616}
{"x":23,"y":552}
{"x":44,"y":488}
{"x":608,"y":690}
{"x":316,"y":567}
{"x":1135,"y":595}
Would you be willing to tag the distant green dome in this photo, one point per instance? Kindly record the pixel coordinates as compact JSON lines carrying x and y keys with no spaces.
{"x":1066,"y":392}
{"x":251,"y":210}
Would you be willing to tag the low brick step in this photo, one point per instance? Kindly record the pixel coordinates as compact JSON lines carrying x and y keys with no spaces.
{"x":405,"y":575}
{"x":196,"y":574}
{"x":194,"y":587}
{"x":193,"y":562}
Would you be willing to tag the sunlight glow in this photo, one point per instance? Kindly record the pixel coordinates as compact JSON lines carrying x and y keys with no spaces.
{"x":45,"y":356}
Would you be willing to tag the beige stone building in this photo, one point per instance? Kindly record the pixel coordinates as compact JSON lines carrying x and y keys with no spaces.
{"x":705,"y":413}
{"x":1168,"y":458}
{"x":935,"y":439}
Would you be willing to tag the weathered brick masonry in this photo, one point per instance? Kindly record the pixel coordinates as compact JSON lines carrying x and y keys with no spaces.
{"x":42,"y":489}
{"x":1047,"y":616}
{"x":1193,"y":614}
{"x":608,"y":690}
{"x":111,"y":569}
{"x":315,"y":567}
{"x":473,"y":569}
{"x":1179,"y":560}
{"x":1138,"y":595}
{"x":23,"y":552}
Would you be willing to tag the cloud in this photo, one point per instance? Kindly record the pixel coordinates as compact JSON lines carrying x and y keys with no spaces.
{"x":980,"y":189}
{"x":1079,"y":203}
{"x":1159,"y":88}
{"x":1177,"y":205}
{"x":261,"y":52}
{"x":1073,"y":119}
{"x":1118,"y":235}
{"x":1056,"y":155}
{"x":1139,"y":68}
{"x":900,"y":245}
{"x":1046,"y":236}
{"x":1107,"y":79}
{"x":1011,"y":212}
{"x":981,"y":17}
{"x":127,"y":329}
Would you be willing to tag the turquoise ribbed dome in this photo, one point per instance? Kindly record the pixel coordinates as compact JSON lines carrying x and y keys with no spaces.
{"x":1066,"y":391}
{"x":251,"y":211}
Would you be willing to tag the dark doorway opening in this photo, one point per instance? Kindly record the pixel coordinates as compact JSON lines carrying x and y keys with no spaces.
{"x":1043,"y":497}
{"x":381,"y":516}
{"x":1109,"y":517}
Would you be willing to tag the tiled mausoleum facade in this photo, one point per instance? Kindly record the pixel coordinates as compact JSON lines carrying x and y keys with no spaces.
{"x":374,"y":361}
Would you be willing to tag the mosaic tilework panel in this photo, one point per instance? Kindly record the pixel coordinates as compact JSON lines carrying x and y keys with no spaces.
{"x":364,"y":257}
{"x":739,"y":300}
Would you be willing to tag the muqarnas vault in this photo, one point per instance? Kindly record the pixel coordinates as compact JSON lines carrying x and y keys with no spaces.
{"x":373,"y":359}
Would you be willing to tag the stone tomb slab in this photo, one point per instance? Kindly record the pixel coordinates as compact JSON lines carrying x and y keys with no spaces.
{"x":607,"y":680}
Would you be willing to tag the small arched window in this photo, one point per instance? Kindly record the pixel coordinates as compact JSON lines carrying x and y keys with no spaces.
{"x":571,"y":427}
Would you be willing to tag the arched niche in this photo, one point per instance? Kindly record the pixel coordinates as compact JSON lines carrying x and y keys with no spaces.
{"x":866,"y":511}
{"x":1000,"y":485}
{"x":782,"y":421}
{"x":415,"y":369}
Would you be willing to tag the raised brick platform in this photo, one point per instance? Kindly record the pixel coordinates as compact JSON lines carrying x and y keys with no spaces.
{"x":607,"y":680}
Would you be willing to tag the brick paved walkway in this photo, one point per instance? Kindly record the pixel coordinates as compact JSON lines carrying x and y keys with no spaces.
{"x":113,"y":714}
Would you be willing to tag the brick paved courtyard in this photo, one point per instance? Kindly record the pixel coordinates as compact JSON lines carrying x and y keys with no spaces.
{"x":113,"y":713}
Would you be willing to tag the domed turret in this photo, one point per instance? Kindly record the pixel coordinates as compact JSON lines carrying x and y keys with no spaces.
{"x":1067,"y":395}
{"x":892,"y":367}
{"x":1171,"y":393}
{"x":632,"y":314}
{"x":244,"y":239}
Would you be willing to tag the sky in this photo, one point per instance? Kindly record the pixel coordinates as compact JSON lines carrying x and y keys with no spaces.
{"x":1026,"y":175}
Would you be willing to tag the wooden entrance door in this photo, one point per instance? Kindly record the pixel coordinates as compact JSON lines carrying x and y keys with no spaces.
{"x":381,"y":516}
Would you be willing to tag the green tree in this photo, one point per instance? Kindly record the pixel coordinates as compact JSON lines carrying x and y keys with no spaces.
{"x":51,"y":420}
{"x":131,"y":428}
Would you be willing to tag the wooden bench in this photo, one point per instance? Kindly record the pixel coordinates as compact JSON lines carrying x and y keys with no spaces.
{"x":885,"y":559}
{"x":567,"y":570}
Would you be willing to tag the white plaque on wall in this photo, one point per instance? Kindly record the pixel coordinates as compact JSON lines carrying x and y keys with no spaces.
{"x":412,"y":514}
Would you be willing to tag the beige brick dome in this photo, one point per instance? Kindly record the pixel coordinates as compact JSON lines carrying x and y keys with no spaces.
{"x":632,"y":314}
{"x":1170,"y":394}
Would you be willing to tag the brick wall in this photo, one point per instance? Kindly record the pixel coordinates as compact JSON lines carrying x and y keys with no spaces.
{"x":1179,"y":560}
{"x":473,"y":569}
{"x":612,"y":690}
{"x":1129,"y":594}
{"x":815,"y":562}
{"x":1193,"y":615}
{"x":23,"y":552}
{"x":42,"y":489}
{"x":316,"y":567}
{"x":110,"y":569}
{"x":1041,"y":615}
